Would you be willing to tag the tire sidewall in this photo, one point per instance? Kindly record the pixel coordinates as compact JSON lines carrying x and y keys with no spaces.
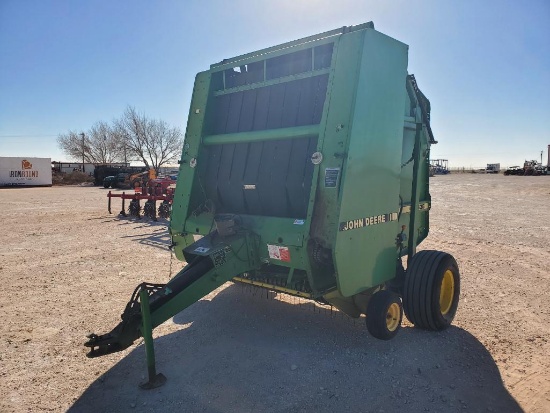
{"x":377,"y":309}
{"x":444,"y":320}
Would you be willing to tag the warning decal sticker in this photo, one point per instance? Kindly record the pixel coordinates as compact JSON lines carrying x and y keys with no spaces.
{"x":277,"y":252}
{"x":331,"y":177}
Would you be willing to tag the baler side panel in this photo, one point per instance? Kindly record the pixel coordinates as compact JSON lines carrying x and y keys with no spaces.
{"x":420,"y":227}
{"x":187,"y":186}
{"x":365,"y":248}
{"x":335,"y":138}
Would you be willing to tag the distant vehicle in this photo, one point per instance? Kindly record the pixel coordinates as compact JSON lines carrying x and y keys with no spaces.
{"x":514,"y":170}
{"x":103,"y":171}
{"x":530,"y":168}
{"x":129,"y":181}
{"x":492,"y":168}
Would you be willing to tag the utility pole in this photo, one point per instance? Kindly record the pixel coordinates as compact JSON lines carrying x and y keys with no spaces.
{"x":82,"y":134}
{"x":104,"y":154}
{"x":541,"y":152}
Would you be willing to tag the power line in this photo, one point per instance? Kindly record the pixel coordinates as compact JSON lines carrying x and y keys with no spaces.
{"x":26,"y":136}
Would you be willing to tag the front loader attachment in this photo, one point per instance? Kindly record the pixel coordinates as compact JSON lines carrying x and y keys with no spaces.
{"x":213,"y":260}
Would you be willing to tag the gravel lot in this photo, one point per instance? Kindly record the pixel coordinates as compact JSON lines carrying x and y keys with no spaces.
{"x":68,"y":268}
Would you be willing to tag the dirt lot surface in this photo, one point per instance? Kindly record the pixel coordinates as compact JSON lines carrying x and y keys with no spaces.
{"x":68,"y":268}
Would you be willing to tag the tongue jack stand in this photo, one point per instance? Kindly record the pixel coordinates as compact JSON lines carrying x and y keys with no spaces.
{"x":155,"y":380}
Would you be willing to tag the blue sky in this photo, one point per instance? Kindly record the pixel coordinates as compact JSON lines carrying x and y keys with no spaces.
{"x":484,"y":65}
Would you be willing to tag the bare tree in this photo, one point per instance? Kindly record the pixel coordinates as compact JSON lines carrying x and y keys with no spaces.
{"x":74,"y":145}
{"x":133,"y":136}
{"x":104,"y":144}
{"x":152,"y":141}
{"x":99,"y":145}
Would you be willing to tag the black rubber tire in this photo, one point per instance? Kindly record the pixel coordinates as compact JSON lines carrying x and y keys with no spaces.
{"x":422,"y":289}
{"x":164,"y":210}
{"x":378,"y":311}
{"x":134,"y":208}
{"x":106,"y":185}
{"x":149,"y":209}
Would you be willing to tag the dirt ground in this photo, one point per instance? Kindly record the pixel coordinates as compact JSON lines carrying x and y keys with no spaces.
{"x":68,"y":268}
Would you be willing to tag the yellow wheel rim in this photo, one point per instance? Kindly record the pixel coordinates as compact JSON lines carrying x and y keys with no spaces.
{"x":447,"y":292}
{"x":392,"y":317}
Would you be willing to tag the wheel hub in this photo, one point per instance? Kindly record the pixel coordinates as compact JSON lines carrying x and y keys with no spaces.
{"x":392,"y":317}
{"x":447,"y":292}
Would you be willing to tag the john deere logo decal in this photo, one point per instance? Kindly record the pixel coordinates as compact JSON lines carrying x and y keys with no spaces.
{"x":367,"y":221}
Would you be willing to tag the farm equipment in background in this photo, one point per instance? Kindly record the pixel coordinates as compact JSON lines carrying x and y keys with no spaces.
{"x":513,"y":170}
{"x":305,"y":170}
{"x":103,"y":171}
{"x":161,"y":185}
{"x":149,"y":190}
{"x":125,"y":180}
{"x":530,"y":168}
{"x":149,"y":208}
{"x":439,"y":167}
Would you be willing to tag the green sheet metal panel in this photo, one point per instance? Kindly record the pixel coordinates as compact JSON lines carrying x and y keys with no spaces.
{"x":365,"y":251}
{"x":334,"y":137}
{"x":186,"y":187}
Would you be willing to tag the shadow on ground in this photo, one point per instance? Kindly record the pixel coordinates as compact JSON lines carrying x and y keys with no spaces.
{"x":242,"y":352}
{"x":155,"y":232}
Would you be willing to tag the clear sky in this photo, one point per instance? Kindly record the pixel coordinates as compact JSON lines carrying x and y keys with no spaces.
{"x":484,"y":65}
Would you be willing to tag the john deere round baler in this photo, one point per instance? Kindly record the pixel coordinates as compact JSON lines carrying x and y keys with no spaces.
{"x":305,"y":170}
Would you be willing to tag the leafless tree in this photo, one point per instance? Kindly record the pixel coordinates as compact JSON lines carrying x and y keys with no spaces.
{"x":152,"y":141}
{"x":104,"y":144}
{"x":131,"y":137}
{"x":73,"y":145}
{"x":98,"y":145}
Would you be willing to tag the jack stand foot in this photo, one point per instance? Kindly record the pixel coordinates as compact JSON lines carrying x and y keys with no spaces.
{"x":154,"y":382}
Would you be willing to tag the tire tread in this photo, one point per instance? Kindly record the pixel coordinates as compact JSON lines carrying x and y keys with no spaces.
{"x":419,"y":301}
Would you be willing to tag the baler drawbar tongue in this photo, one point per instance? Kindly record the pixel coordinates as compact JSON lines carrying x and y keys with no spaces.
{"x":198,"y":278}
{"x":128,"y":330}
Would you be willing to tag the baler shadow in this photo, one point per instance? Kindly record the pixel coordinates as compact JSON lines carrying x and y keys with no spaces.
{"x":143,"y":221}
{"x":243,"y":353}
{"x":155,"y":235}
{"x":161,"y":242}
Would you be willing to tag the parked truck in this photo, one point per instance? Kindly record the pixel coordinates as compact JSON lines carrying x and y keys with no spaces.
{"x":305,"y":170}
